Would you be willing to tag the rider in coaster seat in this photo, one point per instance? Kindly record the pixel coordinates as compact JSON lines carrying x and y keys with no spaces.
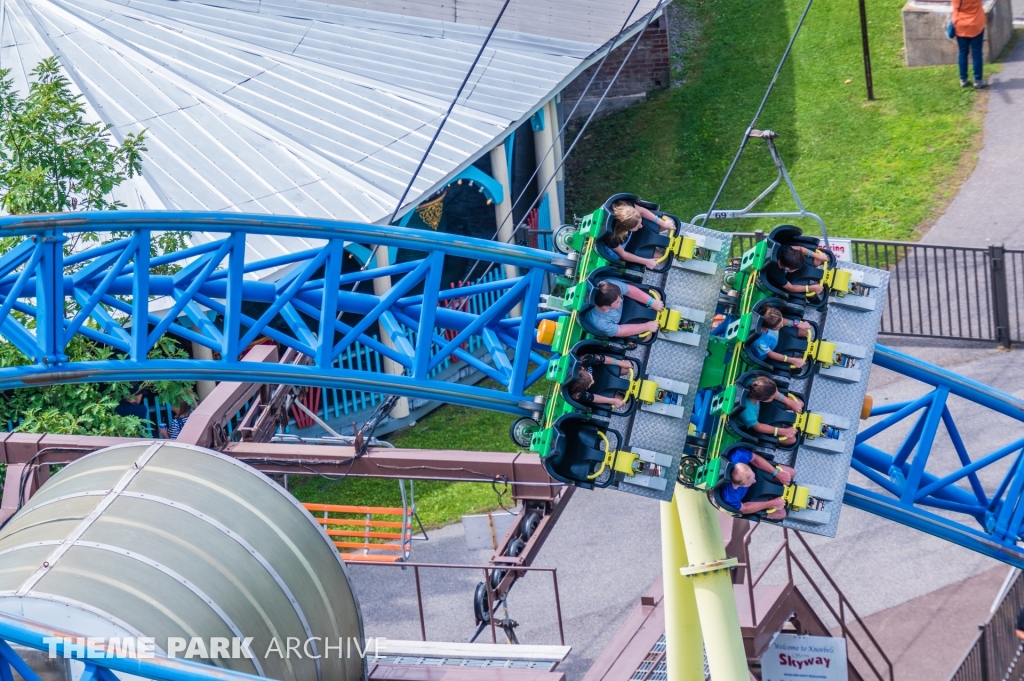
{"x":763,"y":414}
{"x":750,"y":485}
{"x":794,"y":266}
{"x":621,"y":310}
{"x":778,"y":342}
{"x":578,"y":450}
{"x":600,"y":379}
{"x":633,"y":234}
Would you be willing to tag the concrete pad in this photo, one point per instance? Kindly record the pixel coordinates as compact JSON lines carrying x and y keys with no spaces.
{"x":989,"y":208}
{"x":926,"y":637}
{"x":924,"y":32}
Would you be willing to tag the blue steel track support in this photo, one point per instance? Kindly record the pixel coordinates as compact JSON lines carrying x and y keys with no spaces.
{"x":100,"y":664}
{"x":989,"y":521}
{"x":214,"y":298}
{"x":117,"y":294}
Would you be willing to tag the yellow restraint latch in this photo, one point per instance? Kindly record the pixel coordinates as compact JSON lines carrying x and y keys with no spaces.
{"x":796,"y":497}
{"x":836,"y":279}
{"x":682,"y":246}
{"x":668,"y":319}
{"x":821,"y":351}
{"x":620,"y":461}
{"x":642,"y":389}
{"x":809,"y":423}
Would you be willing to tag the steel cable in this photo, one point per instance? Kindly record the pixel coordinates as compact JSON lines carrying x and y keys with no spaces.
{"x":757,"y":115}
{"x":437,"y":132}
{"x":579,"y":135}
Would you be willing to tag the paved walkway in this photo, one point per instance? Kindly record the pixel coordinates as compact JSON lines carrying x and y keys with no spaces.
{"x":990,"y":206}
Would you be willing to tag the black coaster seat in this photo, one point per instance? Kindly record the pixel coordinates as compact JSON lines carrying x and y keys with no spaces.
{"x":810,"y":273}
{"x":643,"y":242}
{"x":790,"y":344}
{"x":770,"y":413}
{"x":633,"y":312}
{"x":607,"y":381}
{"x":763,"y":489}
{"x":577,"y":451}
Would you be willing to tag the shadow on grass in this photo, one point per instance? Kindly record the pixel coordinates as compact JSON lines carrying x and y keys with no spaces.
{"x":676,"y":147}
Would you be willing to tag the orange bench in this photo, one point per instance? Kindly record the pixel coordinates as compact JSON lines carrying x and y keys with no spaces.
{"x":377,"y":544}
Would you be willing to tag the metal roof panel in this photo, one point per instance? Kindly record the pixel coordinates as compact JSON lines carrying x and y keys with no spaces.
{"x":303,"y":106}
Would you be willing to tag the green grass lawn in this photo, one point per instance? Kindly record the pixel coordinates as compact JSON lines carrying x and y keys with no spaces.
{"x":870,"y":169}
{"x":439,"y":503}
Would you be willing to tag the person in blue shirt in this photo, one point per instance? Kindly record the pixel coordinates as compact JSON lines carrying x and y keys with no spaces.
{"x":764,"y":389}
{"x":606,"y":314}
{"x":742,"y":477}
{"x":763,"y":346}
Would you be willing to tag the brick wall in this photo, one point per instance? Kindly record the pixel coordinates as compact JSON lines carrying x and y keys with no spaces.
{"x":648,"y":69}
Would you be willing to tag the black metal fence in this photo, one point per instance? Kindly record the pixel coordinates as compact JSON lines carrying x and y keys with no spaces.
{"x":943,"y":291}
{"x":996,"y":654}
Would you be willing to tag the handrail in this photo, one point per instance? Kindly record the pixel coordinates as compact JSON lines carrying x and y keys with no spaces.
{"x":880,"y":242}
{"x":844,"y":604}
{"x":847,"y":633}
{"x":842,"y":596}
{"x":493,"y":602}
{"x":995,"y":652}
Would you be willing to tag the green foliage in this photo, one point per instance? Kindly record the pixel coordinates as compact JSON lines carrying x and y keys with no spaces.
{"x":870,"y":169}
{"x":51,"y":158}
{"x":88,"y":408}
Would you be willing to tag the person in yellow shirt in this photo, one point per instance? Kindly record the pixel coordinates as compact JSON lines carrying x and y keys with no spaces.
{"x":969,"y":28}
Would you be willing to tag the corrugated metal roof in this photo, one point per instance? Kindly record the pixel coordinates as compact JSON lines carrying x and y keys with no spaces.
{"x":289,"y":106}
{"x":298,"y":107}
{"x":593,"y":21}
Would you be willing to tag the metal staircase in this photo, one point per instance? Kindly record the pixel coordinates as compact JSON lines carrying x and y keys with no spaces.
{"x":801,"y":604}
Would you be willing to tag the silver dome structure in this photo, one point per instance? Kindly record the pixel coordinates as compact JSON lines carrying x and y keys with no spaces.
{"x":174,"y":542}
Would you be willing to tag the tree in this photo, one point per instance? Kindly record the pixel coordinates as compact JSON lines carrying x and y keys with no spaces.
{"x":53,"y":160}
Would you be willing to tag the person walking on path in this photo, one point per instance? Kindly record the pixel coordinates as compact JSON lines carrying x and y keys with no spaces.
{"x":969,"y":28}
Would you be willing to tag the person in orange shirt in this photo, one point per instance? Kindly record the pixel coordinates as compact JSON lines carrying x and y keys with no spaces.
{"x":969,"y":28}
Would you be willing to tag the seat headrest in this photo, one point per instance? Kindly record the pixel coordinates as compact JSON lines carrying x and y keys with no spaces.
{"x":737,"y":405}
{"x":784,"y":234}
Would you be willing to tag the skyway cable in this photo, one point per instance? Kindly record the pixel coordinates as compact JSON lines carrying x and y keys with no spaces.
{"x":579,"y":135}
{"x":760,"y":109}
{"x":437,"y":132}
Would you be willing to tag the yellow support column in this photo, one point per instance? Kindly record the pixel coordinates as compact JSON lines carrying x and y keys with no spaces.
{"x":708,"y":571}
{"x":684,"y":645}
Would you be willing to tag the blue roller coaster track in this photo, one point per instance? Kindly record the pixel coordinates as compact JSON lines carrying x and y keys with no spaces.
{"x":106,"y":293}
{"x":216,"y":299}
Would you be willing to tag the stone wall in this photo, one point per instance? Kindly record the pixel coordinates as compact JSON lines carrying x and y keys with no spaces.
{"x":648,"y":69}
{"x":924,"y":31}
